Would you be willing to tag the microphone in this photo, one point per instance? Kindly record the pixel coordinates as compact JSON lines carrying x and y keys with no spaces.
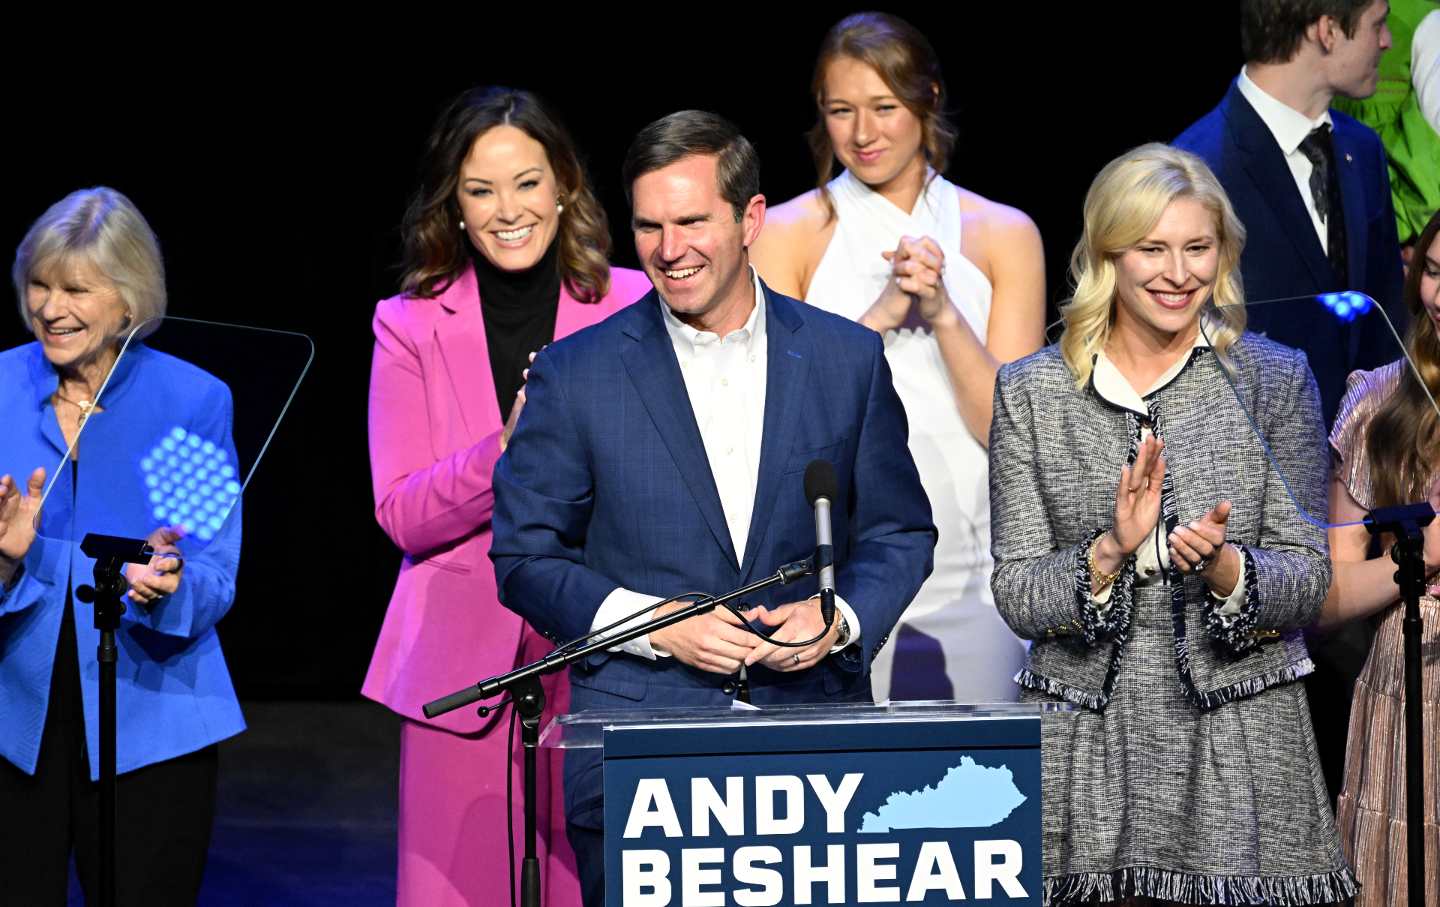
{"x":820,"y":490}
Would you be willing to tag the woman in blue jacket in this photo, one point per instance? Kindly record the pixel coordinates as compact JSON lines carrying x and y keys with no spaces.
{"x":88,"y":275}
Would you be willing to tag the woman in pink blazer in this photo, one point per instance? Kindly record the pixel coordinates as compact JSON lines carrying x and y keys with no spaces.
{"x":505,"y":249}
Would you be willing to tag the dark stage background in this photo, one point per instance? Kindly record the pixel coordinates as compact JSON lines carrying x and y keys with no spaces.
{"x":275,"y":164}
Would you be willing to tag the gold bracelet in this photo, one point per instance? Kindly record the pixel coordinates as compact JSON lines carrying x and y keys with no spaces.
{"x":1100,"y":579}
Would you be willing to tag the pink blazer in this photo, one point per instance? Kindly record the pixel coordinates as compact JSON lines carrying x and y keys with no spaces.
{"x":434,"y":439}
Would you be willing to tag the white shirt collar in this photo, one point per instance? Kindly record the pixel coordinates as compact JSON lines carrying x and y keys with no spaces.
{"x":1288,"y":125}
{"x":1114,"y":388}
{"x":686,"y":338}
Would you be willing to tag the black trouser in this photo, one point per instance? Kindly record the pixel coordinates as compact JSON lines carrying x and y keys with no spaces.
{"x":589,"y":847}
{"x":163,"y":813}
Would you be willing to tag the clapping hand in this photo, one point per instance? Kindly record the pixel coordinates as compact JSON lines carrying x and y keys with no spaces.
{"x":1199,"y":547}
{"x":1137,"y":497}
{"x":1194,"y":546}
{"x":917,"y":268}
{"x":161,"y":576}
{"x":18,"y":514}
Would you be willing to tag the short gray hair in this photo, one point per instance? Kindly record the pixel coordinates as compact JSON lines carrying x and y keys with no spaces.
{"x":105,"y":228}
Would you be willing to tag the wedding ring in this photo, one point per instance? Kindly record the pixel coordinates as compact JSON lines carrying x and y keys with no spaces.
{"x":795,"y":659}
{"x":1204,"y":564}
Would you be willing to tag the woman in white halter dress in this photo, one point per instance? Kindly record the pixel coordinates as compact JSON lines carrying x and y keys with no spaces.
{"x":955,"y":283}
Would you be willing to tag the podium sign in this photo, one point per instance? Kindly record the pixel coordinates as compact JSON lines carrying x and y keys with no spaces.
{"x":867,"y":805}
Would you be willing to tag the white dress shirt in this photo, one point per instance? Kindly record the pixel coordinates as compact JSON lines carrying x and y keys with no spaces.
{"x":1290,"y":127}
{"x":725,"y":379}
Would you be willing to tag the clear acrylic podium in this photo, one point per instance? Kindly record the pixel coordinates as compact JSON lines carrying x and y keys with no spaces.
{"x":585,"y":730}
{"x":920,"y":802}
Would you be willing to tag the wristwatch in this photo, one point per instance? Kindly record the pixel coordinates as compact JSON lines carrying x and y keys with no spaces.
{"x":842,"y":639}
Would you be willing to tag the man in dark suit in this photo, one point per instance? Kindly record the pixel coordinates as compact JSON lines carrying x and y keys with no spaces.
{"x":1311,"y":186}
{"x":1309,"y":183}
{"x":662,"y":451}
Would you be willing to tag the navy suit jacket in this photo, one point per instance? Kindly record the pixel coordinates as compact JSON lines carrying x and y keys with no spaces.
{"x":606,"y":484}
{"x":1283,"y":257}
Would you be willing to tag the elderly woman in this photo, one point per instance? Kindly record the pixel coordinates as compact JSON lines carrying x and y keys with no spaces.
{"x":1145,"y":542}
{"x":88,"y":273}
{"x":955,"y":283}
{"x":505,"y":250}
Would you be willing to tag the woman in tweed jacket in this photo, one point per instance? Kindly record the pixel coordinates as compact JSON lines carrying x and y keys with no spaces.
{"x":1149,"y":548}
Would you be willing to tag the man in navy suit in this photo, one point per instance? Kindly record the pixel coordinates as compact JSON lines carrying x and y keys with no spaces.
{"x":662,"y":451}
{"x":1311,"y":186}
{"x":1309,"y":183}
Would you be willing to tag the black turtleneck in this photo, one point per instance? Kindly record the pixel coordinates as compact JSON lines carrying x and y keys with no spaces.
{"x":519,"y":309}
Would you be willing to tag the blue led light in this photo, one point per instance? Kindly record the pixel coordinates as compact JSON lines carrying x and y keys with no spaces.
{"x":191,"y":484}
{"x":1347,"y":305}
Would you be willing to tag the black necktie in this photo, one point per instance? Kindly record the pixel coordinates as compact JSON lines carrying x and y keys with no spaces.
{"x":1325,"y":191}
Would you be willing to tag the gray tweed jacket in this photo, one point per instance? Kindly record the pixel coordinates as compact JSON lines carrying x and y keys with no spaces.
{"x":1055,"y":458}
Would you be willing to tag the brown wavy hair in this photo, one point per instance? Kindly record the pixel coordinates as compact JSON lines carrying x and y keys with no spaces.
{"x":907,"y":64}
{"x":435,"y":249}
{"x":1404,"y":441}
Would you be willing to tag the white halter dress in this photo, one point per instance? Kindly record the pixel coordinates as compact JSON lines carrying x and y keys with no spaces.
{"x":951,"y":642}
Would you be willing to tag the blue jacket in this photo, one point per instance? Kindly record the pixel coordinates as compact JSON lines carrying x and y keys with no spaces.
{"x":173,"y":691}
{"x":1283,"y":257}
{"x":606,"y":483}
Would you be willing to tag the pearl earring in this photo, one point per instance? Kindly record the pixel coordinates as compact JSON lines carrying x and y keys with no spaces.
{"x":462,"y":226}
{"x":559,"y":205}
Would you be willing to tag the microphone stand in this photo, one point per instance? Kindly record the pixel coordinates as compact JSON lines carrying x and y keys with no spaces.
{"x":1407,"y":523}
{"x":111,"y":554}
{"x":528,"y":697}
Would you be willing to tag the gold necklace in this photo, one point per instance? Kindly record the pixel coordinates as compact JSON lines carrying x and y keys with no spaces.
{"x":85,"y":407}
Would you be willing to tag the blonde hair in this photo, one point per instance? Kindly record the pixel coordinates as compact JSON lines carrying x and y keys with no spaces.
{"x":1123,"y":205}
{"x":105,"y":228}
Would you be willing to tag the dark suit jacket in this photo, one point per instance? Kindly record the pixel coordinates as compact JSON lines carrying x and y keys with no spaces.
{"x":606,"y":484}
{"x":1283,"y":257}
